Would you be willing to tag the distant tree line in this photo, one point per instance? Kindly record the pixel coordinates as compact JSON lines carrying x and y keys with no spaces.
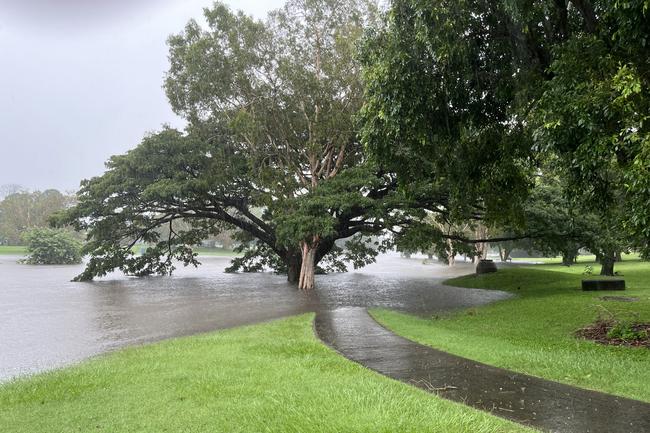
{"x":22,"y":210}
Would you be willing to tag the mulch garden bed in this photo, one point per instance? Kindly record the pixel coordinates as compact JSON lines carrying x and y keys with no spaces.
{"x":600,"y":333}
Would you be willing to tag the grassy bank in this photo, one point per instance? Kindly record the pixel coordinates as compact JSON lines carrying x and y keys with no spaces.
{"x":581,"y":260}
{"x":533,"y":333}
{"x":12,"y":250}
{"x":204,"y":251}
{"x":274,"y":377}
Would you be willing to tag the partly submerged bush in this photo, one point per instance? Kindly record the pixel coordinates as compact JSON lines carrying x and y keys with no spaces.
{"x":52,"y":247}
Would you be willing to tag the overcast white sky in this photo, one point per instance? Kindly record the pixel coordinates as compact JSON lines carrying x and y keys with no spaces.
{"x":81,"y":80}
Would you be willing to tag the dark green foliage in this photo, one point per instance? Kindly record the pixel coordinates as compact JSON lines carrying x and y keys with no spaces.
{"x":559,"y":221}
{"x":594,"y":114}
{"x":439,"y":104}
{"x":256,"y":258}
{"x":47,"y":246}
{"x":470,"y":95}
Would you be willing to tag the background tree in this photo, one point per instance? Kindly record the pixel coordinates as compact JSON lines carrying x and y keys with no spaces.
{"x":25,"y":210}
{"x":9,"y":189}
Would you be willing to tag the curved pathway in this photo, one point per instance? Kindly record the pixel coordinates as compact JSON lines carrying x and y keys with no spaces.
{"x":549,"y":406}
{"x":85,"y":319}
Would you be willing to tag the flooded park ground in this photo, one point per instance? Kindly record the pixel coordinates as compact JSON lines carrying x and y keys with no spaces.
{"x":47,"y":321}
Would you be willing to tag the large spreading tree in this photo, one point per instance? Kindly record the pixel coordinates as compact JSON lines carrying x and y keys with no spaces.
{"x":270,"y":149}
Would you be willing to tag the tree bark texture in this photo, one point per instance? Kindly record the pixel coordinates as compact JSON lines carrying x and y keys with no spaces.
{"x":451,"y":254}
{"x":293,"y":269}
{"x":306,"y":280}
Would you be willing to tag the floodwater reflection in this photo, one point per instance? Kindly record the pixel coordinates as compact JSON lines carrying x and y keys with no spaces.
{"x":46,"y":321}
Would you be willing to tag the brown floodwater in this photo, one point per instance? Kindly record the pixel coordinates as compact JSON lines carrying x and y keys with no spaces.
{"x":47,"y":322}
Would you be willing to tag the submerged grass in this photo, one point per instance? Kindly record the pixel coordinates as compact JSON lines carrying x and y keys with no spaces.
{"x":534,"y":332}
{"x":274,"y":377}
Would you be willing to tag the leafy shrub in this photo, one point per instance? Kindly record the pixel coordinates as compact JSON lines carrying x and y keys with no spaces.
{"x":51,"y":247}
{"x":627,"y":331}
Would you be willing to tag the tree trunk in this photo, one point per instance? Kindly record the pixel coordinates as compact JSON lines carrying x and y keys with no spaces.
{"x":293,"y":263}
{"x":607,"y":265}
{"x":308,"y":266}
{"x":569,"y":257}
{"x":504,"y":253}
{"x":451,"y":254}
{"x":481,"y":248}
{"x":588,"y":14}
{"x":293,"y":271}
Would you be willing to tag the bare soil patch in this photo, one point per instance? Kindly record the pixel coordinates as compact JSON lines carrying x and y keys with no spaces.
{"x":617,"y":333}
{"x":619,"y":298}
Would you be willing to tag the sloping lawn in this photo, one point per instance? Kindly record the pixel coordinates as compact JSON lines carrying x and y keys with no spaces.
{"x":533,"y":333}
{"x":274,"y":377}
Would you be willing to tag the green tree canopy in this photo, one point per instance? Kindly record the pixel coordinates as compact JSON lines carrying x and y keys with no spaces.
{"x":441,"y":96}
{"x":472,"y":94}
{"x":593,"y":113}
{"x":270,"y":111}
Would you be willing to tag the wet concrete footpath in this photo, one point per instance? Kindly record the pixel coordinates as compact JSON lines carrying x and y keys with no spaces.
{"x":545,"y":405}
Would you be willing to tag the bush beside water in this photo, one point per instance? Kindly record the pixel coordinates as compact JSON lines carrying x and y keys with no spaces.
{"x":47,"y":246}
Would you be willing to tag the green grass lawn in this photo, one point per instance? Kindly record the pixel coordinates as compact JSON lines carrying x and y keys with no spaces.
{"x":533,"y":333}
{"x":12,"y":250}
{"x":583,"y":259}
{"x":273,"y":377}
